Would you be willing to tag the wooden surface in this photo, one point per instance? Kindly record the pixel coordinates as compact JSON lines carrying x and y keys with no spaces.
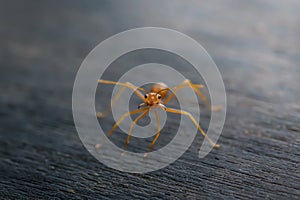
{"x":256,"y":47}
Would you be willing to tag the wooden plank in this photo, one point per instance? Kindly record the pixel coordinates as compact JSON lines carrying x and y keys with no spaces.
{"x":253,"y":44}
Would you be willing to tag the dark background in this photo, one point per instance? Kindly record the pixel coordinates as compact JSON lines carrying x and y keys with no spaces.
{"x":256,"y":46}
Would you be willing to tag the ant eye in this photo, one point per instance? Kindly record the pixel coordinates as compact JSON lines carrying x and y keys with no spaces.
{"x":146,"y":96}
{"x":158,"y":96}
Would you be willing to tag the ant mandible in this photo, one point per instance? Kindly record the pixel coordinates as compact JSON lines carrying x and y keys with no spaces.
{"x":155,"y":99}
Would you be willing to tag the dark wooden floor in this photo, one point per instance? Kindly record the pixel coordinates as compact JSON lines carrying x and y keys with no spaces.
{"x":256,"y":47}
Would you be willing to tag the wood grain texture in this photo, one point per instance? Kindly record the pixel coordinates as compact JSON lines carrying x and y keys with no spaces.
{"x":256,"y":47}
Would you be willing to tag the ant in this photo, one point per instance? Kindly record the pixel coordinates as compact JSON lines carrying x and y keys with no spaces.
{"x":155,"y":99}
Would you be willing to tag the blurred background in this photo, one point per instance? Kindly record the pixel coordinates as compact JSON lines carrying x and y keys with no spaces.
{"x":255,"y":45}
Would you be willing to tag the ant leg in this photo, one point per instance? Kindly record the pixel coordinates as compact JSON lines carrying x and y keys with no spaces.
{"x":117,"y":124}
{"x":118,"y":95}
{"x":131,"y":127}
{"x":156,"y":136}
{"x":194,"y":121}
{"x":196,"y":87}
{"x":203,"y":97}
{"x":184,"y":84}
{"x":128,"y":85}
{"x":113,"y":101}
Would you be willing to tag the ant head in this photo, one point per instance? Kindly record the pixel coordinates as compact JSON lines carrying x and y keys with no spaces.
{"x":152,"y":98}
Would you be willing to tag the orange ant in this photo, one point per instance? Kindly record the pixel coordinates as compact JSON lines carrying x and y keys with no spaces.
{"x":156,"y":98}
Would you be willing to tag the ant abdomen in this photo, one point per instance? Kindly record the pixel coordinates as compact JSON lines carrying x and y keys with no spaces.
{"x":160,"y":88}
